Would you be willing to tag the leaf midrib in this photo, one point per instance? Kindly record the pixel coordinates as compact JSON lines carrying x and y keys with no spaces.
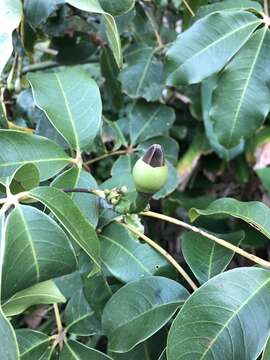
{"x":235,"y":119}
{"x":67,"y":105}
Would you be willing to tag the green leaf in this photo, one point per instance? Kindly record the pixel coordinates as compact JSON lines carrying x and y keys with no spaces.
{"x":125,"y":257}
{"x":264,"y":175}
{"x":79,"y":318}
{"x":111,"y":28}
{"x":143,"y":75}
{"x":163,"y":356}
{"x":230,"y":5}
{"x":10,"y":17}
{"x":116,"y":7}
{"x":77,"y":95}
{"x":37,"y":249}
{"x":71,"y":218}
{"x":74,"y":350}
{"x":241,"y":98}
{"x":140,"y":309}
{"x":25,"y":178}
{"x":21,"y":148}
{"x":255,"y":213}
{"x":36,"y":12}
{"x":149,"y":120}
{"x":8,"y":344}
{"x":228,"y":317}
{"x":208,"y":45}
{"x":266,"y":353}
{"x":33,"y":344}
{"x":206,"y":258}
{"x":207,"y":89}
{"x":43,"y":293}
{"x":79,"y":178}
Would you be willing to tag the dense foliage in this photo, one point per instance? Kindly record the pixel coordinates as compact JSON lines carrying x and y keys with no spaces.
{"x":89,"y":269}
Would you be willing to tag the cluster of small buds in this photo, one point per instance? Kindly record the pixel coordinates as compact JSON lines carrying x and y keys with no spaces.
{"x":114,"y":195}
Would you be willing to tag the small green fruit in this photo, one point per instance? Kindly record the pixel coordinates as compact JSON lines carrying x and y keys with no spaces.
{"x":150,"y":172}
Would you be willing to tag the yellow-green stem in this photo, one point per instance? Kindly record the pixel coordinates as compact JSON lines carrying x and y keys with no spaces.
{"x":227,"y":245}
{"x":164,"y":253}
{"x":58,"y":319}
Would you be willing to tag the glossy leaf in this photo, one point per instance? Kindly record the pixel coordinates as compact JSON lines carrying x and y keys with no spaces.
{"x":140,"y":309}
{"x":116,"y":7}
{"x":43,"y":293}
{"x":208,"y":45}
{"x":149,"y":120}
{"x":227,"y":317}
{"x":207,"y":89}
{"x":38,"y":11}
{"x":71,"y":218}
{"x":77,"y":95}
{"x":21,"y":148}
{"x":205,"y":257}
{"x":143,"y":75}
{"x":111,"y":28}
{"x":32,"y":344}
{"x":8,"y":343}
{"x":79,"y":318}
{"x":74,"y":350}
{"x":230,"y":5}
{"x":241,"y":98}
{"x":10,"y":17}
{"x":37,"y":249}
{"x":254,"y":213}
{"x":125,"y":257}
{"x":79,"y":178}
{"x":24,"y":178}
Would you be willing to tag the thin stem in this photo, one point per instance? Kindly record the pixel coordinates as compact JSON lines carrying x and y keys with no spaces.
{"x":58,"y":319}
{"x":265,"y":6}
{"x":188,"y":7}
{"x":104,"y":156}
{"x":164,"y":253}
{"x":227,"y":245}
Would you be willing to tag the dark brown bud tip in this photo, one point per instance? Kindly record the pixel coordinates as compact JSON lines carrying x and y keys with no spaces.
{"x":154,"y":156}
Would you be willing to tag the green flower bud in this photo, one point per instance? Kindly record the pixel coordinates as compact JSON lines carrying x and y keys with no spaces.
{"x":150,"y":172}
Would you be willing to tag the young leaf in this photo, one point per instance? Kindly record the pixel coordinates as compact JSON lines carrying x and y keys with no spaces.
{"x":21,"y":148}
{"x":206,"y":258}
{"x":208,"y":45}
{"x":111,"y":28}
{"x":125,"y":257}
{"x":32,"y":344}
{"x":79,"y":318}
{"x":140,"y":309}
{"x":71,"y":218}
{"x":77,"y":95}
{"x":10,"y":17}
{"x":149,"y":120}
{"x":254,"y":213}
{"x":24,"y":178}
{"x":143,"y":77}
{"x":37,"y":249}
{"x":43,"y":293}
{"x":79,"y":178}
{"x":74,"y":350}
{"x":241,"y":98}
{"x":227,"y":317}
